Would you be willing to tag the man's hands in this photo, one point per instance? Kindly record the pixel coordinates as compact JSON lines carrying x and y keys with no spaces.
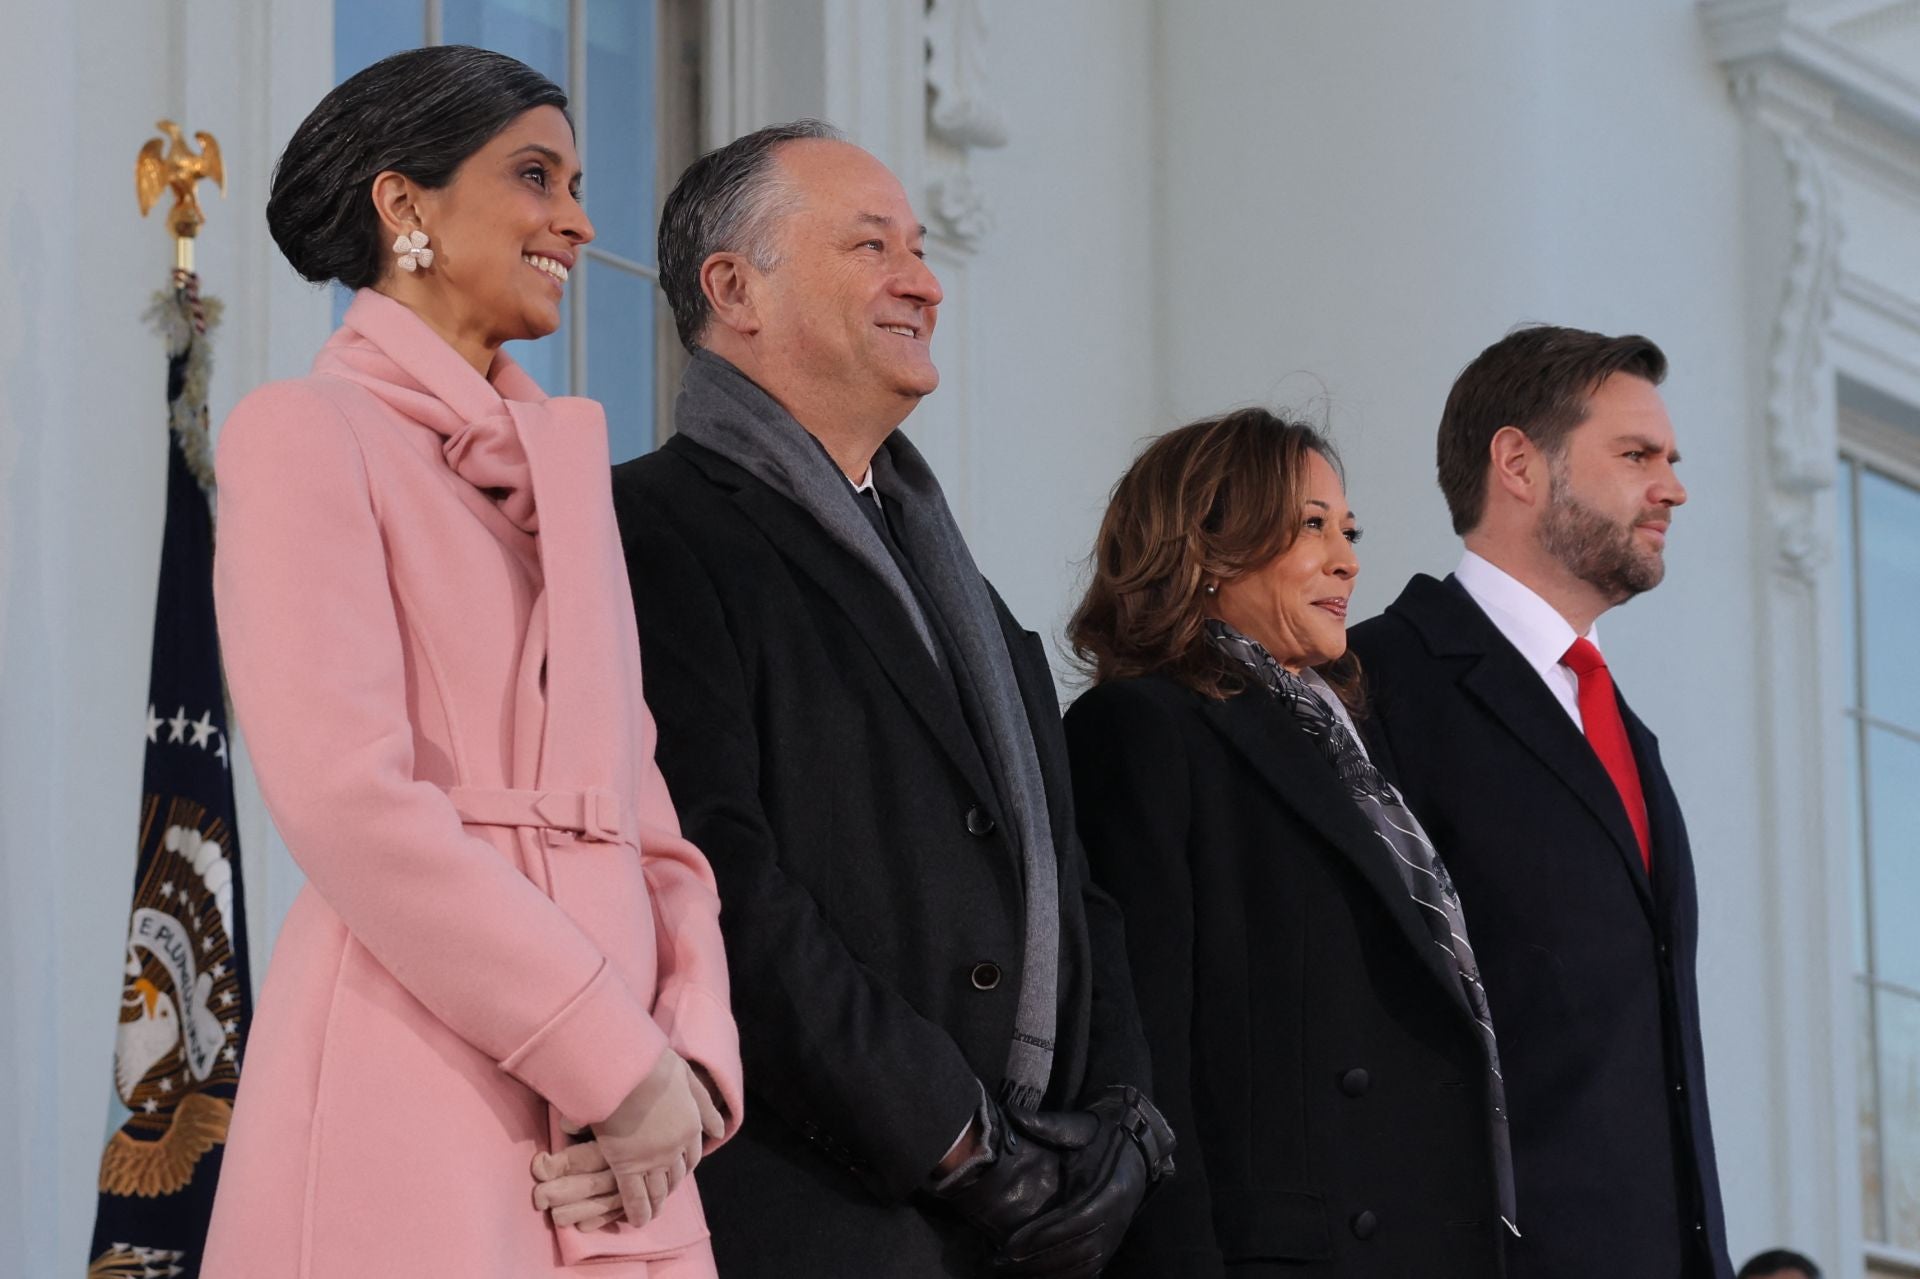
{"x":638,"y":1156}
{"x":1104,"y":1180}
{"x":1016,"y":1180}
{"x":1063,"y":1186}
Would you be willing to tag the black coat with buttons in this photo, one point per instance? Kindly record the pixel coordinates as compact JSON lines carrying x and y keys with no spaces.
{"x":871,"y":903}
{"x":1588,"y":960}
{"x":1321,"y":1067}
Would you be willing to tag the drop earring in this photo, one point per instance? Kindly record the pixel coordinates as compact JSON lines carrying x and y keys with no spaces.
{"x":413,"y":251}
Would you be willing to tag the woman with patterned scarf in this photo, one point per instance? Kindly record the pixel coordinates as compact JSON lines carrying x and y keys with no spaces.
{"x":1320,"y":1039}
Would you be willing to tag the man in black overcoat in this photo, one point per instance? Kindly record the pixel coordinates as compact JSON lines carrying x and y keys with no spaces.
{"x":944,"y":1062}
{"x":1545,"y":795}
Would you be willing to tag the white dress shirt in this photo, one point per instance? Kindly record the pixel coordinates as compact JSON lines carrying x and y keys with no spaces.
{"x":1530,"y":624}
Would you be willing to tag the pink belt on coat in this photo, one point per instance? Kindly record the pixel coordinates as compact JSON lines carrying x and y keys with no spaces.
{"x":596,"y":813}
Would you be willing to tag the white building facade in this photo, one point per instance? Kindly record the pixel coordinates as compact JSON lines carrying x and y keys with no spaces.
{"x":1143,"y":211}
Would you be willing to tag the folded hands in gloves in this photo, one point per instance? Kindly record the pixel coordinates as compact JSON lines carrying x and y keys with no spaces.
{"x":1059,"y":1188}
{"x":639,"y":1154}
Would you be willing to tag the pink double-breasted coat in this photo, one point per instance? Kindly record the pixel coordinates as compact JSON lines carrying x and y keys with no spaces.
{"x":430,"y":643}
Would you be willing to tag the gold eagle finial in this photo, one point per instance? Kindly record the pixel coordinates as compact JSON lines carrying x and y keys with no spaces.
{"x":164,"y":164}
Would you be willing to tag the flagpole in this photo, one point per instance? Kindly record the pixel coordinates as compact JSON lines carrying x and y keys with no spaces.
{"x":186,"y":992}
{"x":170,"y":164}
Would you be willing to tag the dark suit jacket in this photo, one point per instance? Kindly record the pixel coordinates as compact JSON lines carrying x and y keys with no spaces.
{"x":1321,"y":1066}
{"x":871,"y":904}
{"x":1588,"y":963}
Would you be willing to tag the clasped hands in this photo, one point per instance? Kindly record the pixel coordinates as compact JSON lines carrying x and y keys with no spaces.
{"x":1062,"y":1186}
{"x":638,"y":1155}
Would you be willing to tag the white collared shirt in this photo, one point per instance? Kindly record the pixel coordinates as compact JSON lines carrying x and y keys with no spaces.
{"x":866,"y":486}
{"x":1530,"y":624}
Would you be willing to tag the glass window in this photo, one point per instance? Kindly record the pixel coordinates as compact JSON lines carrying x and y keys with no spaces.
{"x":1893,"y":830}
{"x":1867,"y":1081}
{"x":1878,"y":564}
{"x":534,"y":31}
{"x":1890,"y":591}
{"x":620,"y":355}
{"x":1898,"y":1023}
{"x":604,"y":53}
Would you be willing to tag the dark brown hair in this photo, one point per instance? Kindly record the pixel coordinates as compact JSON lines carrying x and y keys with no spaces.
{"x":1206,"y":502}
{"x":1536,"y":379}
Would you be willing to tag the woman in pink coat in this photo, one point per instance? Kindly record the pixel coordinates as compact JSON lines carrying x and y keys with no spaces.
{"x":431,"y":648}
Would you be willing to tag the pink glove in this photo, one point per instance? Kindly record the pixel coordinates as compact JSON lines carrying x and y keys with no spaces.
{"x":578,"y":1185}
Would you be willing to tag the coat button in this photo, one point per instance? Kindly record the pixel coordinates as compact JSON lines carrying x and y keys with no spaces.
{"x":979,"y":822}
{"x":1364,"y":1224}
{"x":985,"y":976}
{"x":1356,"y":1082}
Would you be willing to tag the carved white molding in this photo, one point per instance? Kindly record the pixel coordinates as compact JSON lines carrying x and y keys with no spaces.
{"x":958,"y":111}
{"x":1802,"y":432}
{"x":961,"y":118}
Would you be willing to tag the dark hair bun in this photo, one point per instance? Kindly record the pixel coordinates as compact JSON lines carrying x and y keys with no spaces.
{"x":420,"y":113}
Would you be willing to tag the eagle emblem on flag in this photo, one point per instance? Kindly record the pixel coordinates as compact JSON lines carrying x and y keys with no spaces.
{"x":176,"y":1055}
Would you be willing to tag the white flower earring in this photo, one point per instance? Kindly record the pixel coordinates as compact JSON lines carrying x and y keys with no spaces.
{"x":413,"y":251}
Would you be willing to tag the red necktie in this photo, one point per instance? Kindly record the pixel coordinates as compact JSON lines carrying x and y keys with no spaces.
{"x":1607,"y":733}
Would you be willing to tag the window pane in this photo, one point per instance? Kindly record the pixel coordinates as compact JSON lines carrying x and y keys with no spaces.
{"x":365,"y":31}
{"x":1893,"y":838}
{"x":1853,"y":800}
{"x":619,"y":133}
{"x":620,"y":355}
{"x":547,"y":360}
{"x":1899,"y":1033}
{"x":1890,"y":563}
{"x":534,"y":31}
{"x":1872,"y":1205}
{"x":1844,"y":562}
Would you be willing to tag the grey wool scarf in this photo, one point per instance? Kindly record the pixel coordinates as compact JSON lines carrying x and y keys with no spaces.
{"x":721,"y":409}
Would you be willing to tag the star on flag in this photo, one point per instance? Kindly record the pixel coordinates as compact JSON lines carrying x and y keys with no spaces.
{"x":202,"y":729}
{"x":177,"y":726}
{"x":153,"y":724}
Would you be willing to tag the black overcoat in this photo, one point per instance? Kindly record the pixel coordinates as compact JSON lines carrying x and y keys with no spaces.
{"x":1319,"y":1062}
{"x":871,"y":903}
{"x":1588,"y":961}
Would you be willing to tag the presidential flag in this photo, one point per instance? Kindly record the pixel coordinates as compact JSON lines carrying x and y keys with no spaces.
{"x":184,"y":996}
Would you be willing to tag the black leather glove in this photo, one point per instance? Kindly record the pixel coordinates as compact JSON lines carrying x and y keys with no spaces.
{"x":1112,"y":1154}
{"x":1018,"y":1180}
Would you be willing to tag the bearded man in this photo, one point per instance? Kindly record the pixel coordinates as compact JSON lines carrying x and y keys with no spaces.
{"x":1546,"y":797}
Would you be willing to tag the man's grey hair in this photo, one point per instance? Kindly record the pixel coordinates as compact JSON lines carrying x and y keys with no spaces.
{"x":730,"y":200}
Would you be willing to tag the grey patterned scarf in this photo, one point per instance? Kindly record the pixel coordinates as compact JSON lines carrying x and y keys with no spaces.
{"x":720,"y":408}
{"x":1319,"y":712}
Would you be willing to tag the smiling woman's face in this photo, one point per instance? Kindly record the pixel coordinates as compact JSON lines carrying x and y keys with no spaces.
{"x":506,"y":231}
{"x":1295,"y":604}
